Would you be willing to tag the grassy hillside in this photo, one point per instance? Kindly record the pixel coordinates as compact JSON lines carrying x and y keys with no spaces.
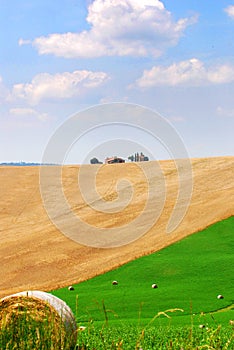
{"x":189,"y":274}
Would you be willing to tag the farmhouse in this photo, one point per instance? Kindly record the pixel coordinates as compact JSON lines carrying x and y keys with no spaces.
{"x":115,"y":159}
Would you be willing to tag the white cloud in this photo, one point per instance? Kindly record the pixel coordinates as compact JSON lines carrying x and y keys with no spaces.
{"x":230,"y":11}
{"x":118,"y":28}
{"x":59,"y":86}
{"x":22,"y":111}
{"x":28,"y":112}
{"x":24,"y":42}
{"x":225,"y":112}
{"x":192,"y":72}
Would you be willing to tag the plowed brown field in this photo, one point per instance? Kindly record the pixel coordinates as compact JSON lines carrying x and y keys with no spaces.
{"x":36,"y":255}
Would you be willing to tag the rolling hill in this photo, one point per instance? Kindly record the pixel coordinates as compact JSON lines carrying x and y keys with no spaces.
{"x":36,"y":255}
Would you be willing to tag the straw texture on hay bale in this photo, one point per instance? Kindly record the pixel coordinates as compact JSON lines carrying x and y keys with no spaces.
{"x":33,"y":308}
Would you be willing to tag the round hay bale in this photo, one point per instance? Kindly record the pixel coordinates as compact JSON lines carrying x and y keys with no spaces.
{"x":220,"y":296}
{"x":154,"y":286}
{"x":36,"y":318}
{"x":71,"y":288}
{"x":114,"y":283}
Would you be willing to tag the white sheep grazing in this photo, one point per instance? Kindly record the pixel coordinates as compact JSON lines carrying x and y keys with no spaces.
{"x":220,"y":296}
{"x":154,"y":286}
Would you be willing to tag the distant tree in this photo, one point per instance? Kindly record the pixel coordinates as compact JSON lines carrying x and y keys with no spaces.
{"x":138,"y":157}
{"x":95,"y":161}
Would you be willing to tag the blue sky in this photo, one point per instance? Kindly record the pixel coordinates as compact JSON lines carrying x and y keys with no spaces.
{"x":58,"y":58}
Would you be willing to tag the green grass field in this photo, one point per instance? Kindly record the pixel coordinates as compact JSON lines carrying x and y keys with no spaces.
{"x":131,"y":315}
{"x":189,"y":274}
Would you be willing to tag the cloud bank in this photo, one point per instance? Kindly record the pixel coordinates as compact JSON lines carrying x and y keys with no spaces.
{"x":118,"y":28}
{"x":230,"y":11}
{"x":191,"y":72}
{"x":59,"y":86}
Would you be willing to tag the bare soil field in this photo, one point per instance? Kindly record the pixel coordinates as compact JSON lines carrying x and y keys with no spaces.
{"x":36,"y":255}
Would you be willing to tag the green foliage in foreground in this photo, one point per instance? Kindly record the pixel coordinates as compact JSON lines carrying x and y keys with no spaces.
{"x":122,"y":337}
{"x":133,"y":337}
{"x":189,"y":274}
